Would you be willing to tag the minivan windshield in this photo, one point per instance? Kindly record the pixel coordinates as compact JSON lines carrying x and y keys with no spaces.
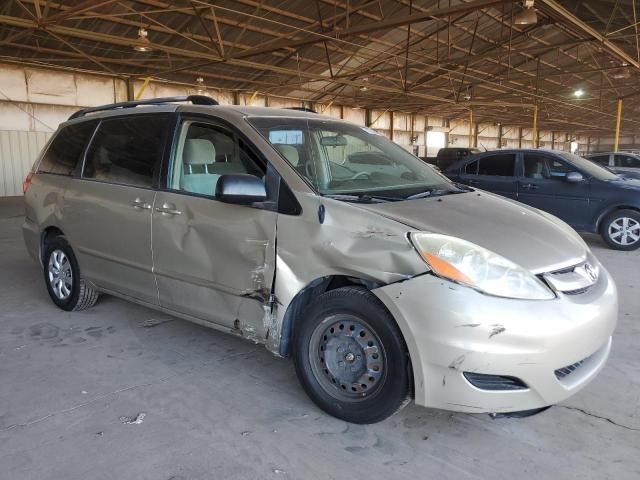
{"x":350,"y":162}
{"x":590,"y":168}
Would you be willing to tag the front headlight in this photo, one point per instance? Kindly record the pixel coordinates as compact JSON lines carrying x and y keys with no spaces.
{"x":469,"y":264}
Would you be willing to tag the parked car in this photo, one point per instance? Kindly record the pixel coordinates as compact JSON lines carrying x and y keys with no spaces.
{"x":326,"y":242}
{"x":450,"y":155}
{"x":586,"y":196}
{"x":625,"y":164}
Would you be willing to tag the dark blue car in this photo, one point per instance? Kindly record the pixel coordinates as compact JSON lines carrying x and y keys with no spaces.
{"x":583,"y":194}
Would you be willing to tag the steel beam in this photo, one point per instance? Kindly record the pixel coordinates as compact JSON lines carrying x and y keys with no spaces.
{"x":556,"y":9}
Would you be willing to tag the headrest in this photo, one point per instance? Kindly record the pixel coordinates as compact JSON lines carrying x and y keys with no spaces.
{"x":198,"y":151}
{"x":290,"y":153}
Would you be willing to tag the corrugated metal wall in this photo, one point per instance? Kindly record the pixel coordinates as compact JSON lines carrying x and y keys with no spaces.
{"x":18,"y":151}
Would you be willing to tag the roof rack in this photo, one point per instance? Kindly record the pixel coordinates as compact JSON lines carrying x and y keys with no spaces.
{"x":302,"y":109}
{"x":194,"y":99}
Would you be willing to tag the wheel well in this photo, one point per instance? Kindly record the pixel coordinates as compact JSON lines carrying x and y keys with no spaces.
{"x":305,"y":296}
{"x":48,"y":234}
{"x":608,"y":212}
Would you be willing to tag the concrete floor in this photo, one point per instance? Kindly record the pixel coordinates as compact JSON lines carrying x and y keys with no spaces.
{"x":219,"y":407}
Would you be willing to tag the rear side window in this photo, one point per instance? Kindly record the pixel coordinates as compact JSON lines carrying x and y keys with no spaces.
{"x":497,"y":165}
{"x":127,"y":150}
{"x":66,"y":148}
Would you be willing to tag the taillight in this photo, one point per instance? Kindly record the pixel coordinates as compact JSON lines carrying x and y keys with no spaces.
{"x":27,"y":182}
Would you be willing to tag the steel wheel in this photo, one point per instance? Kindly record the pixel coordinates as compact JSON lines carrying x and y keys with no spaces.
{"x":347,"y":358}
{"x":624,"y":231}
{"x":60,"y":274}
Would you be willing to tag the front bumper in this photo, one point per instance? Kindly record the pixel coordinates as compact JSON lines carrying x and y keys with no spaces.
{"x":450,"y":329}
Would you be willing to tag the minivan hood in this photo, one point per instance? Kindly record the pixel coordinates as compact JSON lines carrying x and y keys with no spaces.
{"x":534,"y":240}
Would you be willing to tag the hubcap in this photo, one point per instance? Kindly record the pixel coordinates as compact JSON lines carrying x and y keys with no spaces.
{"x":624,"y":231}
{"x":60,"y":274}
{"x":347,"y":357}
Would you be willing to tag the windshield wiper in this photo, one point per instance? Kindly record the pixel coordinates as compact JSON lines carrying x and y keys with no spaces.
{"x":362,"y":198}
{"x":435,"y":192}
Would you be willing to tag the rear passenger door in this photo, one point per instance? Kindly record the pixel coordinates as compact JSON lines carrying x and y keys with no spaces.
{"x":543,"y":185}
{"x":494,"y":172}
{"x":213,"y":261}
{"x":107,"y":211}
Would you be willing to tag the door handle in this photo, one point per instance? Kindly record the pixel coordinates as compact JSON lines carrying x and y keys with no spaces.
{"x":530,"y":186}
{"x":140,"y":204}
{"x":168,"y":209}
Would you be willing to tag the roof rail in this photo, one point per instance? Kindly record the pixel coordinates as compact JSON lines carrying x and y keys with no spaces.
{"x":302,"y":109}
{"x":195,"y":99}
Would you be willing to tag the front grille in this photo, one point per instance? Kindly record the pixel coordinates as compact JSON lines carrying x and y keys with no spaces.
{"x":569,"y":369}
{"x":576,"y":292}
{"x":573,"y":280}
{"x":494,"y":382}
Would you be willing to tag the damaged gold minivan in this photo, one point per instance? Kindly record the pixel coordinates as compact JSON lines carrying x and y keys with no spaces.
{"x":329,"y":244}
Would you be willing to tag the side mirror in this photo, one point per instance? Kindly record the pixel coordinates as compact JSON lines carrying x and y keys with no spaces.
{"x":574,"y":177}
{"x":241,"y":189}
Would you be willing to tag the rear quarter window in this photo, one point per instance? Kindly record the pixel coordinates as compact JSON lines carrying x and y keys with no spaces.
{"x":65,"y":151}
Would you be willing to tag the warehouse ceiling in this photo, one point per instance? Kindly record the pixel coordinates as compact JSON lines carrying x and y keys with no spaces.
{"x":436,"y":57}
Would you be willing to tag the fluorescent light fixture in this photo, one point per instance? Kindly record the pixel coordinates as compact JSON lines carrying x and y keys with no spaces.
{"x":578,"y":93}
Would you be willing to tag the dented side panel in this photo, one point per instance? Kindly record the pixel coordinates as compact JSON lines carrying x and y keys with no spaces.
{"x":215,"y":261}
{"x":350,"y":241}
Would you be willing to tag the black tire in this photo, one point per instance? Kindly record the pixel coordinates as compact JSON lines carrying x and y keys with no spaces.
{"x":325,"y":330}
{"x":81,"y":296}
{"x":612,"y":226}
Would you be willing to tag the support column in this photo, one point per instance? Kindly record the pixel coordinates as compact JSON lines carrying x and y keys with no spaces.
{"x":130,"y":94}
{"x":341,"y":112}
{"x":618,"y":121}
{"x":475,"y":135}
{"x":553,"y":140}
{"x":536,"y":142}
{"x":367,"y":117}
{"x":470,"y":127}
{"x":447,"y":125}
{"x":499,"y":135}
{"x":391,"y":125}
{"x":519,"y":137}
{"x":412,"y":118}
{"x":236,"y":98}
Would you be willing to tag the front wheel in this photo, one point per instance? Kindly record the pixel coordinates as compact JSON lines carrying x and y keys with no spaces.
{"x":351,"y":358}
{"x":621,"y":230}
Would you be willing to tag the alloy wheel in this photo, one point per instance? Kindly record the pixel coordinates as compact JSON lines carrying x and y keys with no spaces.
{"x":60,"y":274}
{"x":624,"y":231}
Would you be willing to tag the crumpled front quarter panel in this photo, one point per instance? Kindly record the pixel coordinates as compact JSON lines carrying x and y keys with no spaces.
{"x":350,"y":241}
